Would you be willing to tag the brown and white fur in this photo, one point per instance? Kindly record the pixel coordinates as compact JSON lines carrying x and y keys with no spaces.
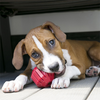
{"x":51,"y":52}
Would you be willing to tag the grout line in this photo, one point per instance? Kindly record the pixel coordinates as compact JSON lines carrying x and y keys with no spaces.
{"x":33,"y":93}
{"x":92,"y":88}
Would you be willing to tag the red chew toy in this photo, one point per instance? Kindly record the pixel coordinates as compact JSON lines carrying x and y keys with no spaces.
{"x":42,"y":79}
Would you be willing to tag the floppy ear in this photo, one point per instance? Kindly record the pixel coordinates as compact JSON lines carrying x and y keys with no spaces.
{"x":18,"y":54}
{"x":56,"y":30}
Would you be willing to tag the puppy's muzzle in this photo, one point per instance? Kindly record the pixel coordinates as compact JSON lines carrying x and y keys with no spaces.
{"x":54,"y":67}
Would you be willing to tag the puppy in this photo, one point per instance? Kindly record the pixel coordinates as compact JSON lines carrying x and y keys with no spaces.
{"x":52,"y":53}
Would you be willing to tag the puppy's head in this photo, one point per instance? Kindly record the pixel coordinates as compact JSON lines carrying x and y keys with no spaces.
{"x":43,"y":45}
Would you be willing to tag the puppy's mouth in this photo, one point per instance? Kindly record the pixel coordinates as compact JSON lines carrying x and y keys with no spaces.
{"x":60,"y":73}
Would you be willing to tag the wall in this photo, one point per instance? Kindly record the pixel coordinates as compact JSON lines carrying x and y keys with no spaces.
{"x":77,"y":21}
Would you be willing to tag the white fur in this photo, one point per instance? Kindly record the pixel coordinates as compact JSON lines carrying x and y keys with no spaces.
{"x":71,"y":71}
{"x":48,"y":58}
{"x":67,"y":57}
{"x":69,"y":60}
{"x":15,"y":85}
{"x":64,"y":80}
{"x":32,"y":64}
{"x":22,"y":78}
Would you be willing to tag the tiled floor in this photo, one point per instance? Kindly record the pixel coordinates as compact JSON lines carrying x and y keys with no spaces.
{"x":87,"y":89}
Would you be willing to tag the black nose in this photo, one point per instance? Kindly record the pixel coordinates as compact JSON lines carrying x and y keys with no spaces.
{"x":54,"y":67}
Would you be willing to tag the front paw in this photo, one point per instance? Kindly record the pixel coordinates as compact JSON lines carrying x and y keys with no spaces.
{"x":60,"y":83}
{"x":12,"y":86}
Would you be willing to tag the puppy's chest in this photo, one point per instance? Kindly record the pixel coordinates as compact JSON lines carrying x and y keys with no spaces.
{"x":67,"y":57}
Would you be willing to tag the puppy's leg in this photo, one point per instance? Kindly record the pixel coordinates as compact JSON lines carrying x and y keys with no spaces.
{"x":94,"y":51}
{"x":64,"y":80}
{"x":18,"y":84}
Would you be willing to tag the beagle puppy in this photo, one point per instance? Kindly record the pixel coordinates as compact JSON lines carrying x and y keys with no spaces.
{"x":51,"y":52}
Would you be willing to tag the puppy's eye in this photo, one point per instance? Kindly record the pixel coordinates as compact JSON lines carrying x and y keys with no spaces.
{"x":52,"y":43}
{"x":35,"y":55}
